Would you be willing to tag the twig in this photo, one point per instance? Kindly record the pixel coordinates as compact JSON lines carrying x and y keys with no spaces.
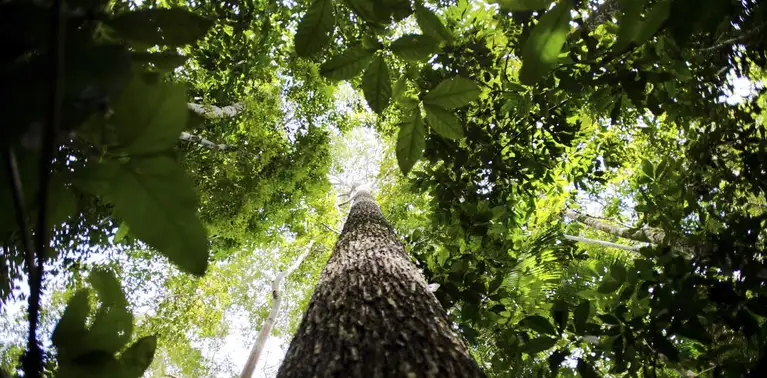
{"x":733,"y":40}
{"x":331,"y":228}
{"x":19,"y":206}
{"x":33,"y":360}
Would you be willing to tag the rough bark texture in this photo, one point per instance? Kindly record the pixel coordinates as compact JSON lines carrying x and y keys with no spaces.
{"x":372,"y":315}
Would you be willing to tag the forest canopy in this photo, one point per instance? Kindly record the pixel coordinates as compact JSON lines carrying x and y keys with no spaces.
{"x":582,"y":183}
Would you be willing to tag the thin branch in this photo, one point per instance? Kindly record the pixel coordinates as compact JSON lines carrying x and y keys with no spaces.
{"x":213,"y":112}
{"x":14,"y":177}
{"x":33,"y":359}
{"x":196,"y":139}
{"x":266,"y":328}
{"x":331,"y":228}
{"x":734,"y":40}
{"x":603,"y":243}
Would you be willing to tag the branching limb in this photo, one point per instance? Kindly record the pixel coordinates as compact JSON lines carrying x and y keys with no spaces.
{"x":213,"y":112}
{"x":185,"y":136}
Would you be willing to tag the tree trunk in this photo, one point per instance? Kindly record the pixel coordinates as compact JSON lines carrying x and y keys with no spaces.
{"x":372,"y":314}
{"x":213,"y":112}
{"x":266,"y":328}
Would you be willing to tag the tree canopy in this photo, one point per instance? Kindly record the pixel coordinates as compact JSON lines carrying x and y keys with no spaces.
{"x":583,"y":181}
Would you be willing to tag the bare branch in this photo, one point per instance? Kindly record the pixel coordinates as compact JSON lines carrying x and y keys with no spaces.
{"x":213,"y":112}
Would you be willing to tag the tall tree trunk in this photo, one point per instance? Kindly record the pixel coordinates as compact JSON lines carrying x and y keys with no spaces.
{"x":372,"y":314}
{"x":266,"y":328}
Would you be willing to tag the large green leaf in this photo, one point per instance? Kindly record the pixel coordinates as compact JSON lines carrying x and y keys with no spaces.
{"x":430,"y":23}
{"x":586,"y":370}
{"x":523,"y":5}
{"x":560,"y":312}
{"x":656,"y":17}
{"x":347,"y":65}
{"x":628,"y":21}
{"x":315,"y":29}
{"x":539,"y":324}
{"x":452,"y":93}
{"x":608,"y":287}
{"x":136,"y":359}
{"x":663,"y":345}
{"x":410,"y":141}
{"x":444,"y":122}
{"x":581,"y":316}
{"x":376,"y":85}
{"x":159,"y":203}
{"x":538,"y":344}
{"x":415,"y":47}
{"x":149,"y":117}
{"x":112,"y":325}
{"x":540,"y":52}
{"x":159,"y":26}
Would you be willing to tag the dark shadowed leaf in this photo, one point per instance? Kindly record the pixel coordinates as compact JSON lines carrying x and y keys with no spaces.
{"x":452,"y":93}
{"x":523,"y":5}
{"x":539,"y":324}
{"x":556,"y":359}
{"x":430,"y":24}
{"x":586,"y":370}
{"x":540,"y":52}
{"x":136,"y":359}
{"x":71,"y":327}
{"x":315,"y":29}
{"x":443,"y":121}
{"x":410,"y":141}
{"x":655,"y":19}
{"x":581,"y":315}
{"x":608,"y":287}
{"x":347,"y":65}
{"x":538,"y":344}
{"x":663,"y":345}
{"x":628,"y":21}
{"x":376,"y":85}
{"x":160,"y":26}
{"x":159,"y":203}
{"x":560,"y":313}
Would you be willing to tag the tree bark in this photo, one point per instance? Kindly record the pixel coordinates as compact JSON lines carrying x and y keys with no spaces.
{"x":266,"y":328}
{"x":191,"y":138}
{"x":212,"y":112}
{"x":372,"y":314}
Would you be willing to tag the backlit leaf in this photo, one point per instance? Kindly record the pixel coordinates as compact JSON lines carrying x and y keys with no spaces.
{"x":538,"y":344}
{"x":415,"y":47}
{"x":539,"y":324}
{"x":410,"y":141}
{"x":523,"y":5}
{"x":137,"y":358}
{"x":443,"y":122}
{"x":160,"y":26}
{"x":315,"y":29}
{"x":376,"y":85}
{"x":452,"y":93}
{"x":430,"y":24}
{"x":347,"y":65}
{"x":541,"y":51}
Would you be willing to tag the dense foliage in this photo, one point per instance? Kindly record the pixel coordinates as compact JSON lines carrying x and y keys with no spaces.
{"x":585,"y":180}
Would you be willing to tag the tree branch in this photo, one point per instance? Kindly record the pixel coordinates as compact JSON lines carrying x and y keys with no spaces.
{"x":213,"y":112}
{"x":196,"y":139}
{"x":603,"y":243}
{"x":266,"y":328}
{"x":734,"y":40}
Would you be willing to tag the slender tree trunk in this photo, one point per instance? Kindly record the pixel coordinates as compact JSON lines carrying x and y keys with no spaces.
{"x":266,"y":328}
{"x":372,"y":314}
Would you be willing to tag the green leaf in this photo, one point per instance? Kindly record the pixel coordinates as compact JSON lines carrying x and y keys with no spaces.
{"x":452,"y":93}
{"x":430,"y":24}
{"x":648,"y":169}
{"x":315,"y":29}
{"x":581,"y":315}
{"x":541,"y":51}
{"x":159,"y":203}
{"x":113,"y":324}
{"x":347,"y":65}
{"x":107,"y":287}
{"x":539,"y":324}
{"x":71,"y":327}
{"x":173,"y":27}
{"x":656,"y":17}
{"x":136,"y":359}
{"x":415,"y":47}
{"x":608,"y":287}
{"x":586,"y":370}
{"x":400,"y":87}
{"x":523,"y":5}
{"x":444,"y":122}
{"x":122,"y":232}
{"x":376,"y":85}
{"x":410,"y":142}
{"x":162,"y":61}
{"x":628,"y":21}
{"x":609,"y":319}
{"x":538,"y":344}
{"x":559,"y":312}
{"x":149,"y":117}
{"x":618,"y":271}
